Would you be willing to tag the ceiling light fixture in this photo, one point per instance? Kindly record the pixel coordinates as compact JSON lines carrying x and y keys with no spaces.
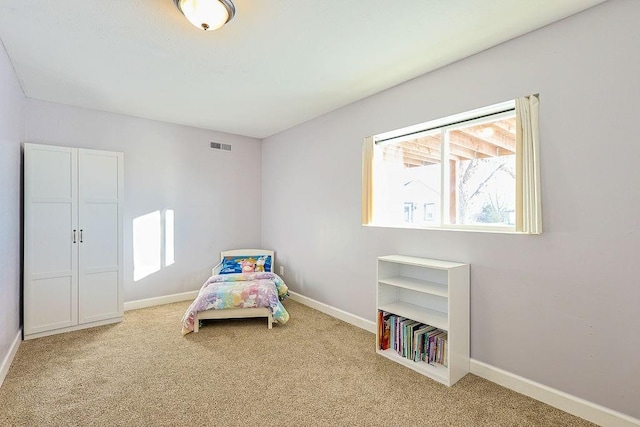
{"x":207,"y":14}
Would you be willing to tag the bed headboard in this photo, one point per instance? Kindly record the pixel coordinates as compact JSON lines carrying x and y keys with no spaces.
{"x":246,"y":253}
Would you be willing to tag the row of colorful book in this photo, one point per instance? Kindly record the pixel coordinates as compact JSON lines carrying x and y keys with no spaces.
{"x":411,"y":339}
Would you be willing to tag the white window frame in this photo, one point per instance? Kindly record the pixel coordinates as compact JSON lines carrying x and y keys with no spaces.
{"x":477,"y":116}
{"x":446,"y":169}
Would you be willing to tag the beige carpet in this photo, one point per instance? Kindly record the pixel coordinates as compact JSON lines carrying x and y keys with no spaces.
{"x":315,"y":370}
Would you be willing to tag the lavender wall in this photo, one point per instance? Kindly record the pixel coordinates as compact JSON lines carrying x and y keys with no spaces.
{"x":560,"y":308}
{"x":11,"y":126}
{"x":215,"y":195}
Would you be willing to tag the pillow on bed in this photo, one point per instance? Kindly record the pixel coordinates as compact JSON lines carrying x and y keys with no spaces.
{"x":245,"y":264}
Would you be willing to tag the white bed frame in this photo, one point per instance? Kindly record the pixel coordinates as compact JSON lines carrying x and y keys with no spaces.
{"x":237,"y":313}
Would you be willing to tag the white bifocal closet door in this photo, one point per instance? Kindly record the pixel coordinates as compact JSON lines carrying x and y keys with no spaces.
{"x":100,"y":225}
{"x":51,"y":258}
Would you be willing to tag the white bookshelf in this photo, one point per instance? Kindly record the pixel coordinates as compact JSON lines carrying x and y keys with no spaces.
{"x":432,"y":292}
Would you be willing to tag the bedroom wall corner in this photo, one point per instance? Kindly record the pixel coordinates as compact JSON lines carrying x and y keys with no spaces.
{"x":175,"y":185}
{"x":577,"y":279}
{"x":12,"y":101}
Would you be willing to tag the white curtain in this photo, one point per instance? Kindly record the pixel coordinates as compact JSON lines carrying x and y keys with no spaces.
{"x":367,"y":180}
{"x":528,"y":134}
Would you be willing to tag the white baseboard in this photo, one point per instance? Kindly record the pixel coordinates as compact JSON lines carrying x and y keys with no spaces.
{"x":6,"y":362}
{"x":566,"y":402}
{"x":166,"y":299}
{"x":335,"y":312}
{"x":574,"y":405}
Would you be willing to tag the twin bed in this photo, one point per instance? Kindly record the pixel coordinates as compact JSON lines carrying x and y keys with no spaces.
{"x":242,"y":285}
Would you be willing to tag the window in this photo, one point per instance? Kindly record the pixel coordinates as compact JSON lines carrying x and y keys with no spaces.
{"x":429,"y":211}
{"x":472,"y":171}
{"x":409,"y":207}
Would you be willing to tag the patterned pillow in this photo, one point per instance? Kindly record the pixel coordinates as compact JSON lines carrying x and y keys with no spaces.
{"x":245,"y":264}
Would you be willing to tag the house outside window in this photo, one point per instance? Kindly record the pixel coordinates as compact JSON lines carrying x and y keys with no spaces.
{"x":429,"y":210}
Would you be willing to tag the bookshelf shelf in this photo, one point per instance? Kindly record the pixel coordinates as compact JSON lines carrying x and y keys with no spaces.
{"x":425,"y":292}
{"x":417,"y":285}
{"x":437,"y":372}
{"x":423,"y":315}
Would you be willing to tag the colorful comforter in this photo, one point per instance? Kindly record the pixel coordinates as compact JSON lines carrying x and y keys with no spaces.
{"x":240,"y":290}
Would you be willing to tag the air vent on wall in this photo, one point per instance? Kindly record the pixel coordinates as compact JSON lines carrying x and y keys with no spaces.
{"x":223,"y":147}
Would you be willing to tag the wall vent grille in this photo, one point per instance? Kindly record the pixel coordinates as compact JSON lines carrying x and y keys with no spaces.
{"x":218,"y":146}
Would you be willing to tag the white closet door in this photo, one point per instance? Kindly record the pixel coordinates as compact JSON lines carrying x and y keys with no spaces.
{"x":100,"y":236}
{"x":50,"y":255}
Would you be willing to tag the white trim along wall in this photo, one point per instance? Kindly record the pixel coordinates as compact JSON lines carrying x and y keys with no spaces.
{"x":573,"y":405}
{"x":8,"y":359}
{"x":576,"y":279}
{"x":167,"y":299}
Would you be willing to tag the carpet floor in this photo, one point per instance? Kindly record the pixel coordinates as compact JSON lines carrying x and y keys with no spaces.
{"x":314,"y":370}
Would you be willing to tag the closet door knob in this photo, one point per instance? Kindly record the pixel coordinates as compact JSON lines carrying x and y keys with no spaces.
{"x":74,"y":236}
{"x":81,"y":235}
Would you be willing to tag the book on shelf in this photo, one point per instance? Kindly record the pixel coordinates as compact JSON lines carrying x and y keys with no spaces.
{"x":411,"y":339}
{"x":385,"y":334}
{"x":380,"y":328}
{"x":383,"y":330}
{"x":398,"y":333}
{"x":418,"y":342}
{"x":441,"y":349}
{"x":404,"y":325}
{"x":392,"y":330}
{"x":433,"y":345}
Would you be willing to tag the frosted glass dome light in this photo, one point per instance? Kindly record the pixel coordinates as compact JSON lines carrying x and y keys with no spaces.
{"x":207,"y":14}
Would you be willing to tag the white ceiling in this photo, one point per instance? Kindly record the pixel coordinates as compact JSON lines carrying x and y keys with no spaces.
{"x":278,"y":63}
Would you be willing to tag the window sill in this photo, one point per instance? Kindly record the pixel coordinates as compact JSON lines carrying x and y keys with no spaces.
{"x":495,"y":230}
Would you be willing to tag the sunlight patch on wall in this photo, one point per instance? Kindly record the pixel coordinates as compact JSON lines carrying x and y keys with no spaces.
{"x":146,"y":245}
{"x":169,"y":257}
{"x":153,"y":242}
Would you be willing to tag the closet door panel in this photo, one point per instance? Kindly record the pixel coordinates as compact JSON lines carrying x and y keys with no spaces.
{"x":100,"y":236}
{"x":54,"y":297}
{"x":98,"y":296}
{"x":98,"y":290}
{"x":99,"y":174}
{"x":52,"y":171}
{"x":100,"y":262}
{"x":50,"y":254}
{"x":52,"y":238}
